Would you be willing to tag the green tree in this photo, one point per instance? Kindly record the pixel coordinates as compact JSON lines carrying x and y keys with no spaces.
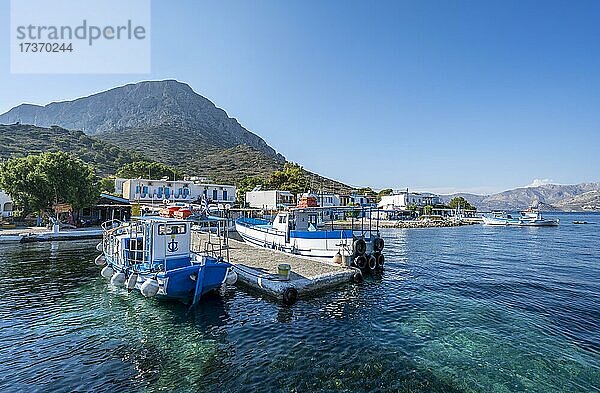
{"x":427,"y":210}
{"x":292,"y":178}
{"x":36,"y":182}
{"x":107,"y":185}
{"x":148,"y":170}
{"x":384,"y":192}
{"x":366,"y":191}
{"x":248,"y":184}
{"x":462,"y":203}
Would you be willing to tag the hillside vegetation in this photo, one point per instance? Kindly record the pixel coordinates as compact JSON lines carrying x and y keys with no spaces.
{"x":19,"y":140}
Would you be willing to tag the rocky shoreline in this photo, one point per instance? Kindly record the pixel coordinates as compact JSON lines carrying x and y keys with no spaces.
{"x":409,"y":224}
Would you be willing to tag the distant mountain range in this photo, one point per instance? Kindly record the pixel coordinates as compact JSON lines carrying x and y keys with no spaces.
{"x":576,"y":197}
{"x":164,"y":121}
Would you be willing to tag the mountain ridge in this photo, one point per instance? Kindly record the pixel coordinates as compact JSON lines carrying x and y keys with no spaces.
{"x":564,"y":197}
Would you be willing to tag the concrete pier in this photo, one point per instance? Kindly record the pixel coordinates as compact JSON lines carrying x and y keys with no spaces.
{"x":257,"y":268}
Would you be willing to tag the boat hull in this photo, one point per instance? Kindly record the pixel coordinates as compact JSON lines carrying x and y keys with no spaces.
{"x":180,"y":284}
{"x":520,"y":223}
{"x":319,"y":244}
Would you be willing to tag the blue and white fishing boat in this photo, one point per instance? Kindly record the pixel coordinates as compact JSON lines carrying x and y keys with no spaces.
{"x":529,"y":218}
{"x":153,"y":255}
{"x":303,"y":232}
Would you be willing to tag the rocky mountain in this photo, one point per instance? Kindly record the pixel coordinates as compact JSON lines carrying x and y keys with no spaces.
{"x":165,"y":121}
{"x":587,"y":201}
{"x":148,"y":105}
{"x":21,"y":140}
{"x":549,"y":197}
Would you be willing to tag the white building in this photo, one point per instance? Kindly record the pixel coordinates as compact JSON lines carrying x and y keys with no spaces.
{"x":270,"y":199}
{"x":402,"y":200}
{"x":6,"y":205}
{"x":148,"y":190}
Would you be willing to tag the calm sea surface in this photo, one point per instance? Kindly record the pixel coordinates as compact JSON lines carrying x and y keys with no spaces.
{"x":470,"y":309}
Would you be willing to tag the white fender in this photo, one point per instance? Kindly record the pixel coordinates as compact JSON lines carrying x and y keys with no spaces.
{"x":131,"y":281}
{"x":149,"y":288}
{"x":231,"y":278}
{"x":99,"y":247}
{"x":118,"y":278}
{"x":107,"y":272}
{"x":100,"y":260}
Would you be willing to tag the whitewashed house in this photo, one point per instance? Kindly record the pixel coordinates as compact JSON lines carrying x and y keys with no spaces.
{"x":6,"y":205}
{"x":269,"y":199}
{"x":402,"y":200}
{"x":154,"y":191}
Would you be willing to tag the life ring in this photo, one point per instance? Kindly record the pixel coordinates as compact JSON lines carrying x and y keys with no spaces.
{"x":290,"y":296}
{"x":371,"y":263}
{"x":378,"y":244}
{"x":361,"y":262}
{"x":359,"y":247}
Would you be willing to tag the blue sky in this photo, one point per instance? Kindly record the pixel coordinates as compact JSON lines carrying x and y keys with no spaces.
{"x":432,"y":95}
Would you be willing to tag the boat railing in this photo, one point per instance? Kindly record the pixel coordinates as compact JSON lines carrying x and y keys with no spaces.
{"x":210,"y":237}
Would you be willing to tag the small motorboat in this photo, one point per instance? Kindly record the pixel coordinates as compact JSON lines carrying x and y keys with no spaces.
{"x":579,"y":222}
{"x":528,"y":218}
{"x":153,"y":255}
{"x":13,"y":238}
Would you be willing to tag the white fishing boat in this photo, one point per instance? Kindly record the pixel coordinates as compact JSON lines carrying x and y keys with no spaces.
{"x":528,"y":218}
{"x":303,"y":232}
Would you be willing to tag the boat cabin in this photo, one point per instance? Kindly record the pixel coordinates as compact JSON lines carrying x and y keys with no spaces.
{"x":162,"y":244}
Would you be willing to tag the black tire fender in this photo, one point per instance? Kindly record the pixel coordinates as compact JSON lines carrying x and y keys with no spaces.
{"x":378,"y":244}
{"x":359,"y":247}
{"x":361,"y":262}
{"x":290,"y":295}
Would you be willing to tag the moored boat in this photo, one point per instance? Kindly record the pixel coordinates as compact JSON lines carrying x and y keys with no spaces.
{"x":12,"y":238}
{"x":528,"y":218}
{"x":154,"y":256}
{"x":303,"y":232}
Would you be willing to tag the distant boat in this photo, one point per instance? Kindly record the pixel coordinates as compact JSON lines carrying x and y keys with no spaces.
{"x":10,"y":238}
{"x":529,"y":218}
{"x":580,"y":222}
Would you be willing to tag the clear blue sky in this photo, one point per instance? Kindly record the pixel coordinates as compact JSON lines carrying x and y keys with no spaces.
{"x":437,"y":95}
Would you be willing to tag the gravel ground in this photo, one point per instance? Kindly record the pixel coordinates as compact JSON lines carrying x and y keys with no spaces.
{"x":267,"y":260}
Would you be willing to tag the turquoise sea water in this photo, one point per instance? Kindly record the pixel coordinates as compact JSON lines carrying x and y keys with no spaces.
{"x":469,"y":309}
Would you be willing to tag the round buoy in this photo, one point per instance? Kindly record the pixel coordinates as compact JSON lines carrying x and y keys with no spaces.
{"x":378,"y":244}
{"x":290,"y":296}
{"x":107,"y":272}
{"x":131,"y":281}
{"x":231,"y":278}
{"x":337,"y":258}
{"x":359,"y":247}
{"x":357,"y":277}
{"x":361,"y":262}
{"x":118,"y":278}
{"x":149,"y":288}
{"x":380,"y":261}
{"x":371,"y":263}
{"x":100,"y":260}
